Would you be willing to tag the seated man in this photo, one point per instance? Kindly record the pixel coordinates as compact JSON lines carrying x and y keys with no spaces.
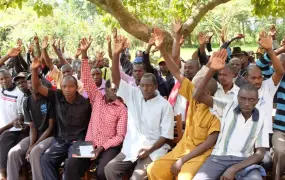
{"x":72,"y":112}
{"x":11,"y":103}
{"x":201,"y":133}
{"x":39,"y":113}
{"x":107,"y":127}
{"x":150,"y":124}
{"x":244,"y":135}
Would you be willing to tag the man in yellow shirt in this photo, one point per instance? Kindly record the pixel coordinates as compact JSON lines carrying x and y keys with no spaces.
{"x":201,"y":133}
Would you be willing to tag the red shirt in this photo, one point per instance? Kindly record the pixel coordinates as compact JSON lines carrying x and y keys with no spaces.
{"x":108,"y":123}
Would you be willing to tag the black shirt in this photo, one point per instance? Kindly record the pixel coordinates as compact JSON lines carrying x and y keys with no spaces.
{"x":39,"y":112}
{"x":71,"y":119}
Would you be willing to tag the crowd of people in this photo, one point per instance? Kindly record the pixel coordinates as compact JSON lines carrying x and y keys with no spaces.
{"x":226,"y":101}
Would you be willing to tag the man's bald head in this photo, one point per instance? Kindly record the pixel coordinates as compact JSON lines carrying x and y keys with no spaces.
{"x":191,"y":67}
{"x":252,"y":68}
{"x":211,"y":87}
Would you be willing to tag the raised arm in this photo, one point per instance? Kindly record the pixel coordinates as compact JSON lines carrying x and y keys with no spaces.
{"x":266,"y":42}
{"x":37,"y":43}
{"x":89,"y":85}
{"x":37,"y":85}
{"x":108,"y":38}
{"x":119,"y":46}
{"x":173,"y":68}
{"x":217,"y":62}
{"x":59,"y":53}
{"x":176,"y":43}
{"x":11,"y":53}
{"x":45,"y":54}
{"x":203,"y":59}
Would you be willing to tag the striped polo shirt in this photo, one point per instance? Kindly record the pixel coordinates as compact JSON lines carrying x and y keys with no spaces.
{"x":239,"y":137}
{"x":11,"y":103}
{"x":267,"y":71}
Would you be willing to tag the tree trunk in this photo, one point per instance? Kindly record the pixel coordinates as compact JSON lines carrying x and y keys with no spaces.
{"x":140,"y":30}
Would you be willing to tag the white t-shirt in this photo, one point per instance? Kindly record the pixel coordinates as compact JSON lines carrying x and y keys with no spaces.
{"x":266,"y":94}
{"x":11,"y":103}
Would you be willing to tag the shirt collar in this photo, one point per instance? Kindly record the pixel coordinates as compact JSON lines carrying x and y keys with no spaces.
{"x":255,"y":113}
{"x":234,"y":89}
{"x":78,"y":100}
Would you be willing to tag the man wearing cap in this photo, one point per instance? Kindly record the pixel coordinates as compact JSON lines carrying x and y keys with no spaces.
{"x":39,"y":114}
{"x":21,"y":82}
{"x":11,"y":102}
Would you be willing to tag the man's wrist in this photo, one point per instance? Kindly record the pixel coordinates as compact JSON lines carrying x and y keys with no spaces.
{"x":84,"y":55}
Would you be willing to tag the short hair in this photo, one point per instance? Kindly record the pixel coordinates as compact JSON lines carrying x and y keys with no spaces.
{"x":5,"y":71}
{"x":150,"y":76}
{"x":96,"y":68}
{"x":66,"y":66}
{"x":196,"y":62}
{"x":70,"y":77}
{"x":250,"y":68}
{"x":212,"y":86}
{"x":248,"y":87}
{"x":139,"y":64}
{"x":229,"y":67}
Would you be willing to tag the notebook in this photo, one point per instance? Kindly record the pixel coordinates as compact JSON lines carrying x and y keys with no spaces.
{"x":82,"y":149}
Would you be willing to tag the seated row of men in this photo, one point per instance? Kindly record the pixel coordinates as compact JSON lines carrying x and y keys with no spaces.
{"x":226,"y":132}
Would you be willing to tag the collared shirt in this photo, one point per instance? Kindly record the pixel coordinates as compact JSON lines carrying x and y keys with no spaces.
{"x":72,"y":119}
{"x":108,"y":123}
{"x":239,"y":137}
{"x":200,"y":123}
{"x":230,"y":95}
{"x":146,"y":124}
{"x":57,"y":76}
{"x":11,"y":105}
{"x":266,"y":94}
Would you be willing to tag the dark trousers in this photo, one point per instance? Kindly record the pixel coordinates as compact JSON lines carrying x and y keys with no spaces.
{"x":53,"y":157}
{"x":76,"y":167}
{"x":9,"y":139}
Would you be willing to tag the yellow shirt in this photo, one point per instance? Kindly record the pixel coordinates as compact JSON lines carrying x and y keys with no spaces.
{"x":200,"y":123}
{"x":106,"y":73}
{"x":56,"y":75}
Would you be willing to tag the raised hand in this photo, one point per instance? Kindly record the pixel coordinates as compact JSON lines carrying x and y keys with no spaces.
{"x":115,"y":33}
{"x":120,"y":44}
{"x":100,"y":55}
{"x":177,"y":26}
{"x":265,"y":41}
{"x":36,"y":63}
{"x":85,"y":44}
{"x":19,"y":42}
{"x":45,"y":42}
{"x":202,"y":38}
{"x":217,"y":60}
{"x":78,"y":52}
{"x":14,"y":51}
{"x":53,"y":43}
{"x":272,"y":31}
{"x":158,"y":36}
{"x":151,"y":41}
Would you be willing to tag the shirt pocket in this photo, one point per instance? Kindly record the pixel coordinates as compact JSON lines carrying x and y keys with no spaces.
{"x":200,"y":134}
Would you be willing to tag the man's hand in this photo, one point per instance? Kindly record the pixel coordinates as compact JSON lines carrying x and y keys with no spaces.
{"x":14,"y":51}
{"x":85,"y":44}
{"x":45,"y":42}
{"x":18,"y":124}
{"x":177,"y":26}
{"x":115,"y":33}
{"x":217,"y":60}
{"x":78,"y":52}
{"x":28,"y":153}
{"x":97,"y":152}
{"x":19,"y":42}
{"x":36,"y":63}
{"x":273,"y":32}
{"x":202,"y":38}
{"x":120,"y":44}
{"x":151,"y":41}
{"x":229,"y":174}
{"x":265,"y":41}
{"x":143,"y":153}
{"x":176,"y":167}
{"x":158,"y":36}
{"x":100,"y":55}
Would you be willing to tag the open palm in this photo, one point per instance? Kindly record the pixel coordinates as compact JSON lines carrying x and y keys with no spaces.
{"x":45,"y":42}
{"x":36,"y":63}
{"x":158,"y":37}
{"x":120,"y":43}
{"x":14,"y":52}
{"x":218,"y":60}
{"x":265,"y":41}
{"x":85,"y":44}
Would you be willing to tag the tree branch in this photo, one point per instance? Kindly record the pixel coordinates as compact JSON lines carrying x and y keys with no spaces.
{"x":198,"y":12}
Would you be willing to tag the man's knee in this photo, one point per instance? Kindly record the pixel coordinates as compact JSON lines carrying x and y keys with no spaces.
{"x":35,"y":154}
{"x":109,"y":167}
{"x":13,"y":154}
{"x":71,"y":165}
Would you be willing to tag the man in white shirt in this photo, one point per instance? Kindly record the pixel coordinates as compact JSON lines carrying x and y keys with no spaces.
{"x":150,"y":124}
{"x":243,"y":137}
{"x":11,"y":102}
